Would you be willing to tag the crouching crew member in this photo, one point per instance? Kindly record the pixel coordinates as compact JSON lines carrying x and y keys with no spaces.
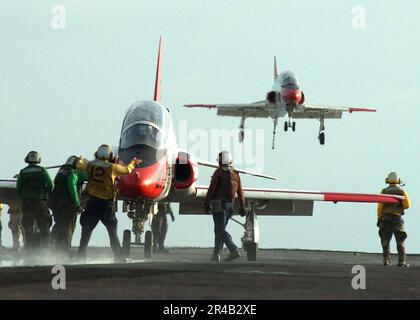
{"x":224,"y":187}
{"x":65,"y":204}
{"x":34,"y":186}
{"x":101,"y":189}
{"x":390,"y":221}
{"x":15,"y":225}
{"x":160,"y":227}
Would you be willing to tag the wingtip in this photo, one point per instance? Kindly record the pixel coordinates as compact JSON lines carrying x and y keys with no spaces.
{"x":351,"y":110}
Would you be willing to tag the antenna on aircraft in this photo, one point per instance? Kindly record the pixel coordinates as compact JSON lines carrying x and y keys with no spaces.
{"x":158,"y":73}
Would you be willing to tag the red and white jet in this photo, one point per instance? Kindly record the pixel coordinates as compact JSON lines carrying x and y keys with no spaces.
{"x":168,"y":174}
{"x":285,"y":99}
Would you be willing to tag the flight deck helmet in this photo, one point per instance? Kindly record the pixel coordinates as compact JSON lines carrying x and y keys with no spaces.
{"x":33,"y":157}
{"x":224,"y":158}
{"x":104,"y":152}
{"x":393,"y":178}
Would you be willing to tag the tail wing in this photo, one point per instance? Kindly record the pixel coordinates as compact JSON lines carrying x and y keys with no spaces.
{"x":158,"y":72}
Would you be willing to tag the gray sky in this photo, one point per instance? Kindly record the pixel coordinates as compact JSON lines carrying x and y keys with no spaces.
{"x":64,"y":92}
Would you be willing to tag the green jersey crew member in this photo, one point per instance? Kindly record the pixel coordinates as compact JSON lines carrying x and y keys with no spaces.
{"x":390,"y":221}
{"x":102,"y":192}
{"x":65,"y":204}
{"x":34,"y":186}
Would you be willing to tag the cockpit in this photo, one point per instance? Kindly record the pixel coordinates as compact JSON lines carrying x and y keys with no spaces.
{"x":145,"y":123}
{"x":289,"y":80}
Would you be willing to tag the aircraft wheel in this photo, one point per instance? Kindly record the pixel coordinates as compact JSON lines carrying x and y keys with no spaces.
{"x":322,"y":138}
{"x":241,"y":136}
{"x":126,"y":243}
{"x":251,"y":251}
{"x":148,"y":240}
{"x":286,"y":126}
{"x":294,"y":126}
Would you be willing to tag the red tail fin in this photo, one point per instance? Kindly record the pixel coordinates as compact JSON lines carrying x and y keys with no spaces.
{"x":158,"y":72}
{"x":276,"y":74}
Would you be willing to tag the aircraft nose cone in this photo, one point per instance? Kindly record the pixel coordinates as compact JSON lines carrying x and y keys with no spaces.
{"x":291,"y":95}
{"x":144,"y":183}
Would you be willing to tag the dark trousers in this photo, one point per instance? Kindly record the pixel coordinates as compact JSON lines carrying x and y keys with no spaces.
{"x":221,"y":236}
{"x":36,"y":211}
{"x":391,"y":225}
{"x":65,"y":216}
{"x":159,"y":229}
{"x":99,"y":210}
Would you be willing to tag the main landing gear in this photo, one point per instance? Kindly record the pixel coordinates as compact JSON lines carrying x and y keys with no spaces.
{"x":139,"y":213}
{"x":251,"y":235}
{"x":321,"y":135}
{"x":242,"y":130}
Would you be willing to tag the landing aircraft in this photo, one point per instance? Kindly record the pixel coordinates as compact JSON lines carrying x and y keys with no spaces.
{"x":285,"y":99}
{"x":169,"y":174}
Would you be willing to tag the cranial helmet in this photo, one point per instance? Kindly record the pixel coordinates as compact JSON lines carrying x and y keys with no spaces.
{"x":393,"y":178}
{"x":224,"y":158}
{"x":104,"y":152}
{"x":33,"y":157}
{"x":71,"y":161}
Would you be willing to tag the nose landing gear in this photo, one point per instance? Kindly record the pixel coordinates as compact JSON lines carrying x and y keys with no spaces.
{"x":289,"y":124}
{"x":139,"y":213}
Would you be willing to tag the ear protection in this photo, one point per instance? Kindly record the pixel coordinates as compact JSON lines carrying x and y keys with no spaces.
{"x":393,"y":178}
{"x":104,"y":152}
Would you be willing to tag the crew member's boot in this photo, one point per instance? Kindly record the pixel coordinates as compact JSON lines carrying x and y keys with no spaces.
{"x":215,"y":257}
{"x":387,"y":257}
{"x":401,"y":255}
{"x":232,"y":256}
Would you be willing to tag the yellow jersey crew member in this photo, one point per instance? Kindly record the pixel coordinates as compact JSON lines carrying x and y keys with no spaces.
{"x":390,"y":221}
{"x":101,"y":189}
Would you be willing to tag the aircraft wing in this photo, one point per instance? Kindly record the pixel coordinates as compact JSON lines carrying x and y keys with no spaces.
{"x":247,"y":110}
{"x":251,"y":173}
{"x":315,"y":111}
{"x":269,"y":202}
{"x":8,"y":192}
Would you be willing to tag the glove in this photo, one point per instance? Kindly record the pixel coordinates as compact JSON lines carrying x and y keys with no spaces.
{"x":242,"y":212}
{"x":79,"y":210}
{"x":137,"y":162}
{"x":173,"y":218}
